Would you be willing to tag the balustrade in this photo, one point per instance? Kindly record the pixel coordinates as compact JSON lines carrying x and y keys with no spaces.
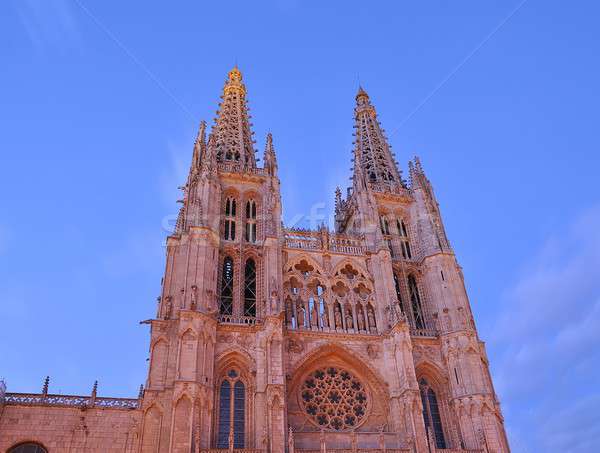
{"x":232,"y":319}
{"x":317,"y":240}
{"x":39,"y":399}
{"x":423,"y":332}
{"x":230,"y":167}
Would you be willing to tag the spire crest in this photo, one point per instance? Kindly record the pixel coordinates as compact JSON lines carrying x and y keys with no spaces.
{"x":233,"y":136}
{"x":373,"y":158}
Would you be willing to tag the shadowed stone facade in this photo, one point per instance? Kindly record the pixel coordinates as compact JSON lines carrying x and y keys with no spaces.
{"x":272,"y":339}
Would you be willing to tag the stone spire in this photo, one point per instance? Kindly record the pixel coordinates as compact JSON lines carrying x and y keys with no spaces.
{"x":434,"y":237}
{"x":199,"y":152}
{"x":269,"y":158}
{"x":233,"y":137}
{"x":373,"y":160}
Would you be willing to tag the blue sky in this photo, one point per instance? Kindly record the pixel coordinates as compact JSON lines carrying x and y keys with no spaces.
{"x":101,"y":103}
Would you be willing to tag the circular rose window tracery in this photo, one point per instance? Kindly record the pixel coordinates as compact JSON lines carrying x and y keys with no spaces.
{"x":334,"y":399}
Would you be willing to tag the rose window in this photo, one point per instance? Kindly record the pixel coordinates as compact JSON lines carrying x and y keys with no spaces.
{"x":334,"y":399}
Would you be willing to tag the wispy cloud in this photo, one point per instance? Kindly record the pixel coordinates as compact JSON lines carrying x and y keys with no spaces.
{"x":49,"y":24}
{"x":549,"y":338}
{"x":175,"y":174}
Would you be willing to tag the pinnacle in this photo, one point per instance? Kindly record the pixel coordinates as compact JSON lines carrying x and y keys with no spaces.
{"x":235,"y":75}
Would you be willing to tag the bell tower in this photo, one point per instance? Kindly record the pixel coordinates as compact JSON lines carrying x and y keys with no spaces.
{"x":221,"y":282}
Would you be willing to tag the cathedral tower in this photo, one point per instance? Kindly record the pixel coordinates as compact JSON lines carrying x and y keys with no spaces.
{"x":269,"y":339}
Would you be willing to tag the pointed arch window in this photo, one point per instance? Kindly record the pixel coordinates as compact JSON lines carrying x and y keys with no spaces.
{"x":27,"y":447}
{"x":398,"y":292}
{"x":385,"y":226}
{"x":405,"y":244}
{"x":431,"y":413}
{"x":415,"y":302}
{"x":250,"y":221}
{"x":230,"y":211}
{"x":232,"y":411}
{"x":250,"y":288}
{"x":226,"y":300}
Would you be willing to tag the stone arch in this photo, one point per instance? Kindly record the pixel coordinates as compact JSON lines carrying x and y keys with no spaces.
{"x":355,"y":264}
{"x":437,"y":380}
{"x":159,"y":355}
{"x":16,"y":448}
{"x":182,"y":424}
{"x":188,"y":342}
{"x":234,"y":356}
{"x":151,"y":428}
{"x":243,"y":365}
{"x":335,"y":355}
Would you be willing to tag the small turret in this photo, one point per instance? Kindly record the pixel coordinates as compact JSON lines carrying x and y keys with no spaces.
{"x":269,"y":158}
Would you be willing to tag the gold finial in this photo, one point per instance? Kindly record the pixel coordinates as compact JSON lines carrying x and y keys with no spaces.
{"x":235,"y":75}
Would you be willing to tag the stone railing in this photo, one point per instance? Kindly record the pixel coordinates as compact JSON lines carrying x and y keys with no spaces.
{"x":454,"y":450}
{"x":232,"y":319}
{"x":235,"y":450}
{"x":40,"y":399}
{"x":230,"y":167}
{"x":306,"y":240}
{"x":358,"y":450}
{"x":347,"y":245}
{"x":319,"y":240}
{"x":423,"y":332}
{"x":395,"y":189}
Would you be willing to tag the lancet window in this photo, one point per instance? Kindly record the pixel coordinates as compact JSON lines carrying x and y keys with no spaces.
{"x":398,"y":292}
{"x":385,"y":225}
{"x":415,"y":301}
{"x":250,"y":288}
{"x":404,"y":241}
{"x":226,"y":292}
{"x":232,"y":410}
{"x":251,"y":221}
{"x":230,"y":213}
{"x":431,"y":413}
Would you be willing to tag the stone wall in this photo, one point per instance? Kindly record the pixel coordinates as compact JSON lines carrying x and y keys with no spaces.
{"x":70,"y":429}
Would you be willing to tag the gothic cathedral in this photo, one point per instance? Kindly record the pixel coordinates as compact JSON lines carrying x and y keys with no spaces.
{"x":270,"y":339}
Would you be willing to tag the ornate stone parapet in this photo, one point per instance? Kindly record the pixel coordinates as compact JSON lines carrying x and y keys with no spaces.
{"x":39,"y":399}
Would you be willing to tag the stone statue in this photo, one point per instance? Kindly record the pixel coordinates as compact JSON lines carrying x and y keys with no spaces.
{"x":325,"y":316}
{"x":337,"y":317}
{"x":361,"y":319}
{"x":274,"y":301}
{"x":300,"y":314}
{"x":349,"y":320}
{"x":168,"y":308}
{"x":194,"y":297}
{"x":371,"y":316}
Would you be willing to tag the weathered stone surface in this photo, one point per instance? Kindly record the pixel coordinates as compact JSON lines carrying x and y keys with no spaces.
{"x":270,"y":339}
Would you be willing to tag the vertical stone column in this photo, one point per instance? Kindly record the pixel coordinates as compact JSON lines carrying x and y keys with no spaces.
{"x":406,"y":412}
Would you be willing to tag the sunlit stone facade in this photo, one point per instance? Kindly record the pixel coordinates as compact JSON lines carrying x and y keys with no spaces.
{"x":272,"y":339}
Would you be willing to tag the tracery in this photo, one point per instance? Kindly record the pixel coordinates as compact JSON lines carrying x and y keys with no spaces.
{"x":334,"y":399}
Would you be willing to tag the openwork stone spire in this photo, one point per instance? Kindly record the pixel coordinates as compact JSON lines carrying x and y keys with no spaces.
{"x":373,"y":159}
{"x":233,"y":137}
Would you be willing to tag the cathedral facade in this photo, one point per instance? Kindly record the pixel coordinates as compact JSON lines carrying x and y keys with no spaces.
{"x":269,"y":339}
